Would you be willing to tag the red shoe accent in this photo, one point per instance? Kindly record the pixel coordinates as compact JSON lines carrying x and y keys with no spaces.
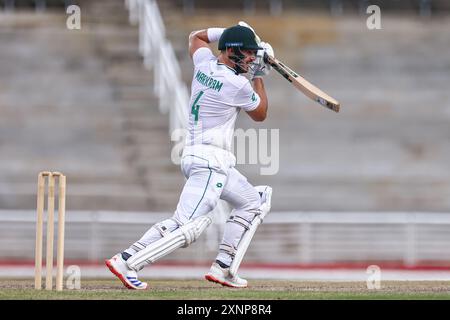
{"x":225,"y":284}
{"x":118,"y":275}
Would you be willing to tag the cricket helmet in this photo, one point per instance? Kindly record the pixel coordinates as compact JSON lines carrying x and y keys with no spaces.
{"x":238,"y":37}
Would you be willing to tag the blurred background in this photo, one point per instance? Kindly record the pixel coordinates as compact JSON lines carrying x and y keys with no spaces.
{"x":369,"y":185}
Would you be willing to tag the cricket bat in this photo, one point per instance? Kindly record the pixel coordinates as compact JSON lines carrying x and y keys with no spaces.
{"x":302,"y":84}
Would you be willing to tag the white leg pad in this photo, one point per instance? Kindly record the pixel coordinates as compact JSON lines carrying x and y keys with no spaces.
{"x":181,"y":237}
{"x":263,"y":210}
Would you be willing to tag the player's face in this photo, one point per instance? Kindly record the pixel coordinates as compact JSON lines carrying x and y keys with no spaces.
{"x":246,"y":58}
{"x":249,"y":57}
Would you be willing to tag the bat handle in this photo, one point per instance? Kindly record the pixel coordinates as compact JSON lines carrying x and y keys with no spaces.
{"x":266,"y":57}
{"x":267,"y":60}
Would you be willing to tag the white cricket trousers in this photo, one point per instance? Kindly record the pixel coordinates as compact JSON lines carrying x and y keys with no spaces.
{"x":210,"y":176}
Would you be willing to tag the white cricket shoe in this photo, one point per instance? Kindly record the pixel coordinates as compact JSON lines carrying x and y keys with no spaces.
{"x":119,"y":267}
{"x":221,"y":275}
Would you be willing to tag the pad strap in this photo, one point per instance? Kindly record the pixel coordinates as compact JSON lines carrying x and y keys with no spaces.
{"x":227,"y":249}
{"x":240,"y":221}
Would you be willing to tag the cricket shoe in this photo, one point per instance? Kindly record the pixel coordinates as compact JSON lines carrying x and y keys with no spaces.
{"x":119,"y":267}
{"x":221,"y":275}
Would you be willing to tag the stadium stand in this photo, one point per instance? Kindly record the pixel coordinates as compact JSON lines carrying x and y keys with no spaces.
{"x":79,"y":102}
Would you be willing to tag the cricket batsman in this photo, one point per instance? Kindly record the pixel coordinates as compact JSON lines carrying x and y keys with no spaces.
{"x":219,"y":91}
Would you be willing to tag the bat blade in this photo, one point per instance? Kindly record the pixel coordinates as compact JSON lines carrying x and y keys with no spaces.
{"x":303,"y":85}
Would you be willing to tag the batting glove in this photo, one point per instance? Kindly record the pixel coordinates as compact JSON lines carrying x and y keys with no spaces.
{"x":261,"y":68}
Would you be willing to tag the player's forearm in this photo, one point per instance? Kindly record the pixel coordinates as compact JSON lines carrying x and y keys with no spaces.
{"x":207,"y":35}
{"x":258,"y":86}
{"x":202,"y":38}
{"x":201,"y":35}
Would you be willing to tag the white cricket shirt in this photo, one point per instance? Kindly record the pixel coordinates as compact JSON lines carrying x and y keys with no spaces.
{"x":217,"y":95}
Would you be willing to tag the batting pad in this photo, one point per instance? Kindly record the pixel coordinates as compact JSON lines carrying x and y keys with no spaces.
{"x":181,"y":237}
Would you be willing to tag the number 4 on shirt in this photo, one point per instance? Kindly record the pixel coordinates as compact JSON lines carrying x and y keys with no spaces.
{"x":196,"y":107}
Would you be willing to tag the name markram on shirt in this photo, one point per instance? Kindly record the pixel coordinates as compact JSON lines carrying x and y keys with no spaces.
{"x":209,"y":82}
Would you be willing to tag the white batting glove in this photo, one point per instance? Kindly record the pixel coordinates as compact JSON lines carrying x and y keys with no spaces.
{"x":245,"y":24}
{"x":261,"y":68}
{"x":267,"y":48}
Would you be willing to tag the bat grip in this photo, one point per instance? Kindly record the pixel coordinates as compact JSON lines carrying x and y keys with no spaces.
{"x":266,"y":57}
{"x":267,"y":60}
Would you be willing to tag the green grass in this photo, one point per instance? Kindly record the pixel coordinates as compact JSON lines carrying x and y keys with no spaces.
{"x":203,"y":290}
{"x":29,"y":294}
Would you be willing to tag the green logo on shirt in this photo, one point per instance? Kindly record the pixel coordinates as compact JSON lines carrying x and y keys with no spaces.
{"x":253,"y":97}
